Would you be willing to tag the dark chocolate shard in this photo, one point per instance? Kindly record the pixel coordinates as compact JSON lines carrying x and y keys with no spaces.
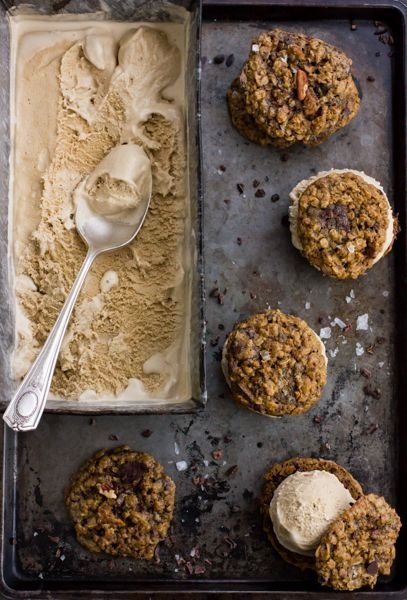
{"x":132,"y":472}
{"x":372,"y":568}
{"x":334,"y":216}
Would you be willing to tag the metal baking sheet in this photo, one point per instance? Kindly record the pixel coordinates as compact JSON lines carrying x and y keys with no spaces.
{"x":136,"y":10}
{"x":216,"y":543}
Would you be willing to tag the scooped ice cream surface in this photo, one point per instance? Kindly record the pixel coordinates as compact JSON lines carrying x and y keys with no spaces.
{"x":118,"y":184}
{"x":304,"y":505}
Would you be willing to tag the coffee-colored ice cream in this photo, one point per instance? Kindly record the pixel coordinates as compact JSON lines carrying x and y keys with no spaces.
{"x":304,"y":505}
{"x":97,"y":109}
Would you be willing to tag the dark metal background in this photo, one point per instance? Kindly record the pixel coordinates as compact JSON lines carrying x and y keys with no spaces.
{"x":360,"y":420}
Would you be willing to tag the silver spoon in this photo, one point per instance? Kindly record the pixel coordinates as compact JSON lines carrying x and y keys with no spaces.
{"x":101,"y":235}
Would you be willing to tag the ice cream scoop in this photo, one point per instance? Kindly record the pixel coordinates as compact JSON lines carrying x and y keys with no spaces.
{"x":101,"y":232}
{"x":117,"y":185}
{"x":304,"y":505}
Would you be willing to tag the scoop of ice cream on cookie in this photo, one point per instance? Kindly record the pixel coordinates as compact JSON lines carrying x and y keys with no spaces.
{"x":303,"y":506}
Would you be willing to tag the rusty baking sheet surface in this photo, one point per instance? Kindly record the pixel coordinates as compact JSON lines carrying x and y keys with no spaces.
{"x":217,"y":457}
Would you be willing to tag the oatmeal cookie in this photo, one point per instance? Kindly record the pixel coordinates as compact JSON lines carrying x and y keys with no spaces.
{"x":298,"y":88}
{"x":121,"y":502}
{"x":274,"y":364}
{"x":342,"y":222}
{"x":272,"y":480}
{"x":359,"y":546}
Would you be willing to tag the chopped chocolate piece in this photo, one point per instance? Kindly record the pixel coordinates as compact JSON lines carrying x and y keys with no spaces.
{"x":231,"y":471}
{"x":189,"y":567}
{"x":256,"y":183}
{"x":113,"y":437}
{"x":368,"y":390}
{"x":260,"y":444}
{"x":370,"y":78}
{"x":334,"y":216}
{"x":146,"y":433}
{"x":200,"y":569}
{"x":239,"y":241}
{"x":365,"y":372}
{"x":275,"y":198}
{"x":218,"y":59}
{"x":222,"y":168}
{"x":284,"y":157}
{"x":214,"y":293}
{"x":372,"y":568}
{"x":221,"y":326}
{"x":214,"y":341}
{"x":374,"y":427}
{"x":318,"y":419}
{"x":260,"y":193}
{"x":230,"y":60}
{"x":240,"y":187}
{"x":221,"y":299}
{"x":132,"y":472}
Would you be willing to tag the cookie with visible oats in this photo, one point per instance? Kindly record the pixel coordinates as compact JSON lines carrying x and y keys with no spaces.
{"x":342,"y":222}
{"x":272,"y":479}
{"x":241,"y":120}
{"x":359,"y":546}
{"x":121,"y":502}
{"x":298,"y":88}
{"x":274,"y":364}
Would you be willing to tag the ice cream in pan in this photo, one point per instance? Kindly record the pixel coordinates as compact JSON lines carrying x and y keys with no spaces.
{"x":95,"y":106}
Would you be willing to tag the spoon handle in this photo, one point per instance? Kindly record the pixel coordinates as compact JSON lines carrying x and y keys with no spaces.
{"x":26,"y":407}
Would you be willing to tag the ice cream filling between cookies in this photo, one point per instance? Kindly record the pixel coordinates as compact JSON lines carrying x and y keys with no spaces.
{"x":97,"y":107}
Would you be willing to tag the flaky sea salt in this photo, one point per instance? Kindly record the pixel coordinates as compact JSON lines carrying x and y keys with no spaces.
{"x":307,"y":305}
{"x":333,"y":353}
{"x":359,"y":349}
{"x":176,"y":448}
{"x":362,"y":322}
{"x":181,"y":465}
{"x":255,"y":48}
{"x":385,"y":293}
{"x":325,"y":333}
